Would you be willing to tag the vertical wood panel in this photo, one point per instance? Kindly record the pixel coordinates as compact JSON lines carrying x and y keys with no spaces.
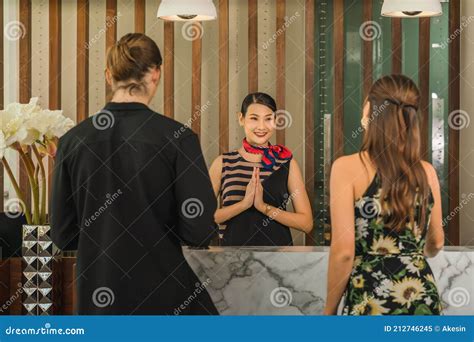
{"x":110,"y":35}
{"x":424,"y":82}
{"x":169,"y":69}
{"x":253,"y":46}
{"x":396,"y":46}
{"x":338,"y":122}
{"x":55,"y":36}
{"x":309,"y":105}
{"x":223,"y":76}
{"x":25,"y":81}
{"x":15,"y":284}
{"x":82,"y":60}
{"x":2,"y":100}
{"x":454,"y":105}
{"x":140,"y":18}
{"x":196,"y":79}
{"x":280,"y":64}
{"x":4,"y":282}
{"x":367,"y":51}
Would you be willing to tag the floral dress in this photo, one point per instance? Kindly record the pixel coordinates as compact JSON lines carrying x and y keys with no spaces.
{"x":390,"y":275}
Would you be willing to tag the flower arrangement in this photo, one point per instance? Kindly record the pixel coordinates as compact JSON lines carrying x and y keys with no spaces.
{"x":33,"y":132}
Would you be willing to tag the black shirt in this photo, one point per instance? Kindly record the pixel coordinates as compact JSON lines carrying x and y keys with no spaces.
{"x":130,"y":187}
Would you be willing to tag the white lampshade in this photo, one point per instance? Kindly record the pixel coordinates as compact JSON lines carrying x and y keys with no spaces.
{"x":411,"y":8}
{"x":187,"y":10}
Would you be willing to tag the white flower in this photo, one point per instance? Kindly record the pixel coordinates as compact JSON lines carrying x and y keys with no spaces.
{"x":48,"y":123}
{"x":383,"y":290}
{"x":361,"y":228}
{"x":378,"y":275}
{"x":428,"y":300}
{"x":27,"y":123}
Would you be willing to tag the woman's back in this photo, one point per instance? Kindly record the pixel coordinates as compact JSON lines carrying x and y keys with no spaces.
{"x":390,"y":274}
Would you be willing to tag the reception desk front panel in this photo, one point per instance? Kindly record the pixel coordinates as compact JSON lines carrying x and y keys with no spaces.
{"x":292,"y":280}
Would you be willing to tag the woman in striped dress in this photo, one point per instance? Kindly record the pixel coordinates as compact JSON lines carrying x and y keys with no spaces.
{"x":256,"y":182}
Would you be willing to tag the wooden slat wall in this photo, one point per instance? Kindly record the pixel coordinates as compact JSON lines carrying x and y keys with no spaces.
{"x":25,"y":81}
{"x":15,"y":285}
{"x":396,"y":46}
{"x":54,"y":65}
{"x":338,"y":121}
{"x":309,"y":104}
{"x":253,"y":46}
{"x":223,"y":18}
{"x":280,"y":64}
{"x":140,"y":6}
{"x":4,"y":284}
{"x":2,"y":100}
{"x":82,"y":60}
{"x":424,"y":82}
{"x":169,"y":70}
{"x":196,"y":79}
{"x":454,"y":104}
{"x":367,"y":51}
{"x":110,"y":35}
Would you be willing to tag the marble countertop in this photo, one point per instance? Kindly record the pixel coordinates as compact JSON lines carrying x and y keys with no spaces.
{"x":292,"y":280}
{"x":300,"y":249}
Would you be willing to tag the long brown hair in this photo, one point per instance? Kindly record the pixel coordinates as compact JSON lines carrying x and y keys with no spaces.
{"x":392,"y":141}
{"x":130,"y":58}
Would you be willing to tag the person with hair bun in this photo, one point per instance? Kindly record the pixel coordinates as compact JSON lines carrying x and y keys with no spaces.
{"x":256,"y":182}
{"x":130,"y":187}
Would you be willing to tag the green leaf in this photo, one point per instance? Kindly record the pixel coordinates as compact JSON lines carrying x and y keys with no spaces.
{"x":423,"y":309}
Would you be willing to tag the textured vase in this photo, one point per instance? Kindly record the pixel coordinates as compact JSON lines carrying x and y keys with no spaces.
{"x":38,"y":253}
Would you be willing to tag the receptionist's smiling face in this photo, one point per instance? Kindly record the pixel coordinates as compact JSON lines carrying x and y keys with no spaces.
{"x":258,"y":123}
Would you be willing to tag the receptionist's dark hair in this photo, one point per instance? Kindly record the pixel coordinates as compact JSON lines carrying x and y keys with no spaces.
{"x":259,"y":98}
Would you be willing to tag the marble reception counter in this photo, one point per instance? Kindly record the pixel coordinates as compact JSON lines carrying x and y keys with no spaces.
{"x":292,"y":280}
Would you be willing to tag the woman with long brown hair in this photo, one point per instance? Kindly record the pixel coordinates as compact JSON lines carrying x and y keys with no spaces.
{"x":385,"y":212}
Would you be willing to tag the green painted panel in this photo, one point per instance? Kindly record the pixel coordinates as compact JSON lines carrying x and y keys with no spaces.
{"x":382,"y":45}
{"x":324,"y":107}
{"x":439,"y":85}
{"x":353,"y":78}
{"x":410,"y":44}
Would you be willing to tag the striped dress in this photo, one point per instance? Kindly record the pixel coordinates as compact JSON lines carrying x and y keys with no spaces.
{"x":252,"y":227}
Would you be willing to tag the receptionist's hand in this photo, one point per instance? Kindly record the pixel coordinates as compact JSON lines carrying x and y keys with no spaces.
{"x":248,"y":199}
{"x":258,"y":202}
